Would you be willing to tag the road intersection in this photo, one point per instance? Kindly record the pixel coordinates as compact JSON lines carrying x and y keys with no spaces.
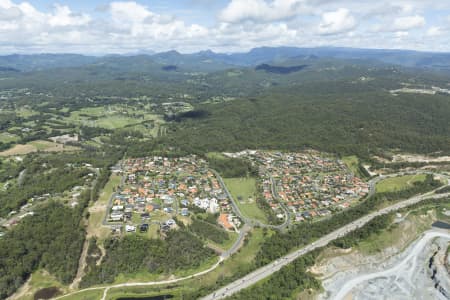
{"x":276,"y":265}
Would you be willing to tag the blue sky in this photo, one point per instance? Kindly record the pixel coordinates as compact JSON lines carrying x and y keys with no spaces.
{"x":101,"y":27}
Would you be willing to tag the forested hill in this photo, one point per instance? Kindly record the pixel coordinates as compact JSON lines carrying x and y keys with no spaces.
{"x":333,"y":116}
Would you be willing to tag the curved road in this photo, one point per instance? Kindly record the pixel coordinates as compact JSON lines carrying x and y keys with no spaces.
{"x":399,"y":267}
{"x":269,"y":269}
{"x":248,"y":221}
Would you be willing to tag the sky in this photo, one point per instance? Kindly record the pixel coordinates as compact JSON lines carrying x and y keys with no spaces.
{"x":100,"y":27}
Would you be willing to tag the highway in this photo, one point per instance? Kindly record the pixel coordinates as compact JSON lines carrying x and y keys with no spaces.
{"x":269,"y":269}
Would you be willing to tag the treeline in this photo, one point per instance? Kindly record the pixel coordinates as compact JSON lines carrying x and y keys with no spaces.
{"x":231,"y":167}
{"x":285,"y":283}
{"x":281,"y":243}
{"x":294,"y":278}
{"x":418,"y":187}
{"x":320,"y":116}
{"x":54,"y":173}
{"x":375,"y":226}
{"x":134,"y":253}
{"x":443,"y":190}
{"x":208,"y":231}
{"x":51,"y":239}
{"x":9,"y":169}
{"x":38,"y":182}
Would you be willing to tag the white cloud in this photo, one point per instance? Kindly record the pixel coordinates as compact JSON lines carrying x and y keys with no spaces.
{"x":260,"y":10}
{"x":434,"y":31}
{"x":63,"y":16}
{"x":124,"y":26}
{"x":336,"y":22}
{"x":401,"y":34}
{"x":408,"y":23}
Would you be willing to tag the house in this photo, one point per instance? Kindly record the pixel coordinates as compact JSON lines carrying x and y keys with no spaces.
{"x":145,"y":216}
{"x":130,"y":228}
{"x":143,"y":228}
{"x":223,"y":220}
{"x":116,"y":216}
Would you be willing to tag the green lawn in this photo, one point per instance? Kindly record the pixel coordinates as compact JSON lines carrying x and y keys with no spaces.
{"x":40,"y":279}
{"x":215,"y":155}
{"x":243,"y":191}
{"x":398,"y":183}
{"x":399,"y":235}
{"x":142,"y":292}
{"x":111,"y":117}
{"x":144,"y":276}
{"x":8,"y":137}
{"x":352,"y":163}
{"x":86,"y":295}
{"x":42,"y":145}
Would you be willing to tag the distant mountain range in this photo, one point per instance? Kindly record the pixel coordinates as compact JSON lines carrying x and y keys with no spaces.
{"x":209,"y":61}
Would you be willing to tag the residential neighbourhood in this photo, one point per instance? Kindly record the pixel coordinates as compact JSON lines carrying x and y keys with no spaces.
{"x":156,"y":190}
{"x":311,"y":184}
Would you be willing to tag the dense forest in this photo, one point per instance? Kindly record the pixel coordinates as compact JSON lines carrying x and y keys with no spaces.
{"x":354,"y":121}
{"x":51,"y":239}
{"x":133,"y":253}
{"x":208,"y":231}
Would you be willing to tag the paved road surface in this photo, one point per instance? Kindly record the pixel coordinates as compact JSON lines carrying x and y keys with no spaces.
{"x":269,"y":269}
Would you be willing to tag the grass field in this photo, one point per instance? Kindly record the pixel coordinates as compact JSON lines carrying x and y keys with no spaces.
{"x":398,"y":183}
{"x":215,"y":155}
{"x":399,"y":235}
{"x":39,"y":279}
{"x":146,"y":276}
{"x":113,"y":118}
{"x":35,"y":146}
{"x":86,"y":295}
{"x":98,"y":210}
{"x":243,"y":191}
{"x":352,"y":163}
{"x":6,"y":137}
{"x":140,"y":292}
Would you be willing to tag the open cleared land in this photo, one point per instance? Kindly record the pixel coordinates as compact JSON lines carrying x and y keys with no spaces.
{"x":40,"y":279}
{"x":86,"y":295}
{"x":373,"y":252}
{"x":244,"y":192}
{"x":352,"y":163}
{"x":6,"y":137}
{"x":113,"y":118}
{"x":398,"y":183}
{"x":37,"y":146}
{"x":98,"y":209}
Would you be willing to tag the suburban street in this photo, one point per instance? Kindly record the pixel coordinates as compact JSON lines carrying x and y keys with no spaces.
{"x":269,"y":269}
{"x":248,"y":221}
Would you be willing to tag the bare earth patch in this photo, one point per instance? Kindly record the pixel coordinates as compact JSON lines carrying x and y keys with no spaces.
{"x":419,"y":158}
